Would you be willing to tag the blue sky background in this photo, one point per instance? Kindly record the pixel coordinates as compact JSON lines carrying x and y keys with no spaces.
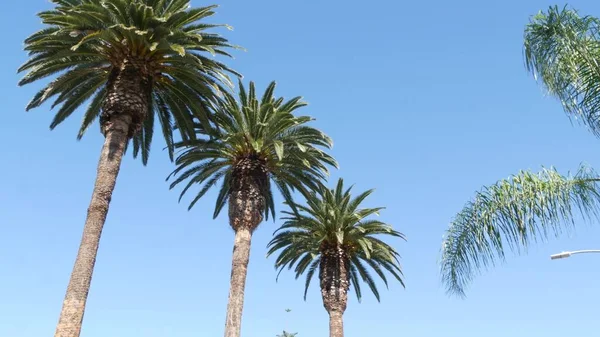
{"x":426,"y":101}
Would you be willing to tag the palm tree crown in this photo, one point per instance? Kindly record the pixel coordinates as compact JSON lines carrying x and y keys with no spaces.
{"x":258,"y":141}
{"x":514,"y":213}
{"x":332,"y":220}
{"x":562,"y":48}
{"x":89,"y":43}
{"x":287,"y":334}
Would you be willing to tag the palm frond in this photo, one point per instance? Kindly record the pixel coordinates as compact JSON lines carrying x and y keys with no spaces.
{"x":513,"y":214}
{"x":261,"y":129}
{"x":332,"y":218}
{"x":562,"y":49}
{"x":84,"y":42}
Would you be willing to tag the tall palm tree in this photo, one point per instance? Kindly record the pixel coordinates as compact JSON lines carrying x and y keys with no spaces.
{"x":134,"y":61}
{"x":563,"y":50}
{"x":334,"y":235}
{"x":259,"y":142}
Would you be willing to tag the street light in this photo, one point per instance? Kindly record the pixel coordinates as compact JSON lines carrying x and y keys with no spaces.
{"x":564,"y":255}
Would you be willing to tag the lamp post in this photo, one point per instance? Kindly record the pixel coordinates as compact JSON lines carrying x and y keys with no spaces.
{"x":564,"y":255}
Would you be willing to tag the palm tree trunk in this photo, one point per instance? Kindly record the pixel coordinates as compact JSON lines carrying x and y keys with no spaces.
{"x":246,"y":206}
{"x":336,"y":323}
{"x":333,"y":273}
{"x":239,"y":269}
{"x":71,"y":316}
{"x":123,"y":111}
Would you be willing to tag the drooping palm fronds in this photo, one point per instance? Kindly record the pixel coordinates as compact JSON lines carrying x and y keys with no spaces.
{"x":85,"y":41}
{"x":263,"y":131}
{"x":259,"y":141}
{"x":512,"y":214}
{"x":562,"y":48}
{"x":333,"y":218}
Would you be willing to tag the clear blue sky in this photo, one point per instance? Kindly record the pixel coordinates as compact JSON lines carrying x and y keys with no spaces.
{"x":426,"y":101}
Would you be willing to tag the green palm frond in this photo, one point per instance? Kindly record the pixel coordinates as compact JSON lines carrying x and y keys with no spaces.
{"x":334,"y":217}
{"x":263,"y":129}
{"x":84,"y":40}
{"x":562,"y":48}
{"x":513,"y":214}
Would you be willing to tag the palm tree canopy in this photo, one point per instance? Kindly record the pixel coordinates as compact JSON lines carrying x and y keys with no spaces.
{"x":333,"y":218}
{"x":263,"y":130}
{"x":514,"y":213}
{"x":85,"y":40}
{"x":562,"y":48}
{"x":288,"y":334}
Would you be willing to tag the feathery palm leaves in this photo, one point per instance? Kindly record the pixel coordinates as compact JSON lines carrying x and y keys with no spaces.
{"x":562,"y":48}
{"x":514,"y":213}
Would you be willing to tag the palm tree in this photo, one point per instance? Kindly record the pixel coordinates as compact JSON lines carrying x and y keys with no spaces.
{"x":334,"y":235}
{"x":561,"y":48}
{"x":134,"y":61}
{"x":259,"y":142}
{"x":288,"y":334}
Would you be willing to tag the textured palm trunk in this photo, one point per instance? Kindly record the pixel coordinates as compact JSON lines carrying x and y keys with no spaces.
{"x":335,"y":282}
{"x":336,"y":324}
{"x":246,"y":207}
{"x":123,"y":109}
{"x":239,"y":270}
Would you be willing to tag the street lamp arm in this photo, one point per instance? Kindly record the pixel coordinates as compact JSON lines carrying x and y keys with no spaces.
{"x":586,"y":251}
{"x":564,"y":255}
